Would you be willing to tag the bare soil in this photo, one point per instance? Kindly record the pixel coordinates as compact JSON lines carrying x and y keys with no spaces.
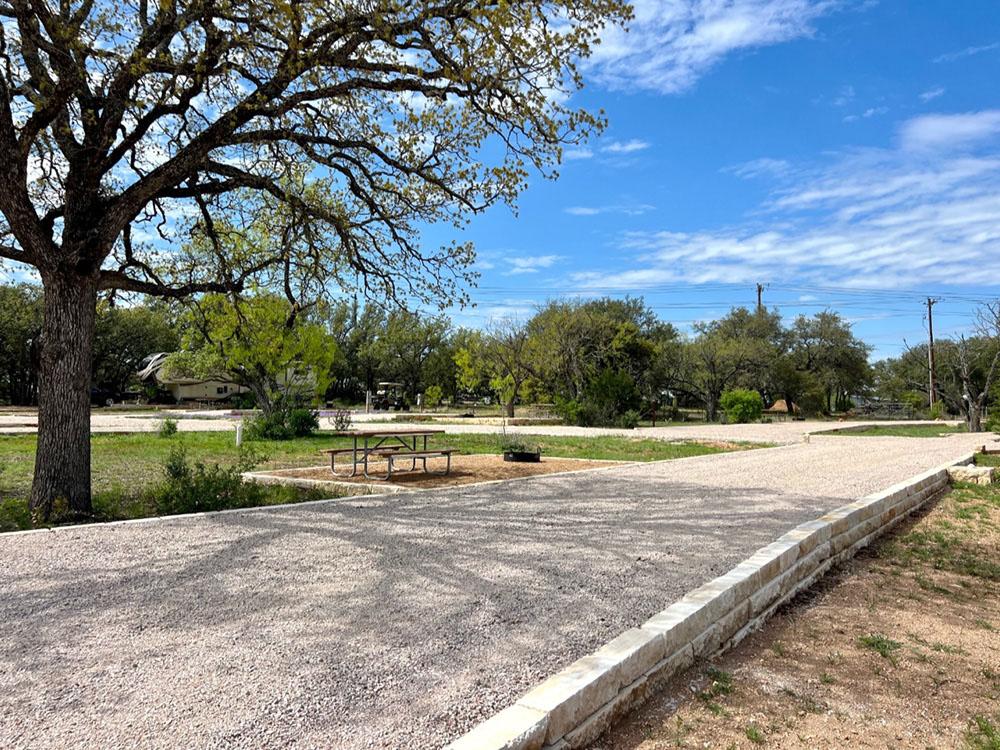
{"x":465,"y":469}
{"x":900,"y":649}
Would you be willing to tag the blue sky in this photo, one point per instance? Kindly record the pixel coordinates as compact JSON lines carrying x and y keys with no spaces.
{"x":847,"y":154}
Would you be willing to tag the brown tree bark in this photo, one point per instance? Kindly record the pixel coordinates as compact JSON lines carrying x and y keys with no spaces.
{"x":61,"y":485}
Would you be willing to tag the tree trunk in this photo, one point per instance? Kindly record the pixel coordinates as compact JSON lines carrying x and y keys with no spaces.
{"x":509,"y":407}
{"x":61,"y":486}
{"x":974,"y":420}
{"x":711,"y":409}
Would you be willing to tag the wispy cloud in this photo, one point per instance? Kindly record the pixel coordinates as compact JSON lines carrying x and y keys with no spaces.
{"x":868,"y":113}
{"x":933,"y":93}
{"x":844,"y":97}
{"x":763,"y":167}
{"x":633,"y":209}
{"x":950,"y":131}
{"x":869,"y":218}
{"x":530,"y":264}
{"x":672,"y":43}
{"x":612,"y":148}
{"x":967,"y":52}
{"x":625,"y":147}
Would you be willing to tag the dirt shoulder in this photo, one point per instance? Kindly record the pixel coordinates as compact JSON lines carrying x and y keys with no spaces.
{"x":899,"y":649}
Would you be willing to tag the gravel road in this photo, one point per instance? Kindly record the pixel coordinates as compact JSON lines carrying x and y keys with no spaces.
{"x":777,"y":432}
{"x":389,"y":622}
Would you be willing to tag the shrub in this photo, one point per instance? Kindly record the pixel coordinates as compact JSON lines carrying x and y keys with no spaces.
{"x":433,"y":396}
{"x":268,"y":427}
{"x":516,"y":444}
{"x":742,"y":405}
{"x":168,"y":427}
{"x":282,"y":424}
{"x":302,"y":422}
{"x":937,"y":410}
{"x":629,"y":420}
{"x":342,"y":420}
{"x":194,"y":488}
{"x":606,"y":401}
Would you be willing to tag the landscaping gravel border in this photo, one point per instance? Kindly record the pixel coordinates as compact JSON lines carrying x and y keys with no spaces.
{"x":575,"y":706}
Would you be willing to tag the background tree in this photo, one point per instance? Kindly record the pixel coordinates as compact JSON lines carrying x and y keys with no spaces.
{"x":262,"y":342}
{"x":507,"y":354}
{"x":124,"y":336}
{"x":20,"y":340}
{"x":114,"y":113}
{"x":406,"y":346}
{"x":713,"y":363}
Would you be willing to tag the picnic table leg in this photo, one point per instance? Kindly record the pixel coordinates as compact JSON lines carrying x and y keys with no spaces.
{"x":354,"y":458}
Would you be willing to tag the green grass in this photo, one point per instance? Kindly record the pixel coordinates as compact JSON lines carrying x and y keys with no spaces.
{"x":754,"y":734}
{"x":880,"y":644}
{"x":721,"y":684}
{"x":950,"y":544}
{"x":124,"y":465}
{"x":988,"y":459}
{"x":983,"y":735}
{"x":897,"y":430}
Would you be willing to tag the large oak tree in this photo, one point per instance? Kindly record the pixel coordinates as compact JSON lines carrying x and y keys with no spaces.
{"x":126,"y":125}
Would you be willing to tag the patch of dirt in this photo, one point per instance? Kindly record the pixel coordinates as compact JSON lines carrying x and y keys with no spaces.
{"x":900,"y":649}
{"x":465,"y":469}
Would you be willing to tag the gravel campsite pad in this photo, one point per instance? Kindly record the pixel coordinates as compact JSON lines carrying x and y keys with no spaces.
{"x":383,"y":622}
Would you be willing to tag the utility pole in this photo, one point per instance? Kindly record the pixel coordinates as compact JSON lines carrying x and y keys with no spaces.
{"x":760,"y":296}
{"x":931,"y":393}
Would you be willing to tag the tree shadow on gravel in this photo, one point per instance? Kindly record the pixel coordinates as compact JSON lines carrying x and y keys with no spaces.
{"x":434,"y":601}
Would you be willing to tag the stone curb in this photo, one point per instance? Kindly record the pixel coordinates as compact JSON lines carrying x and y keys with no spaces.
{"x":574,"y":706}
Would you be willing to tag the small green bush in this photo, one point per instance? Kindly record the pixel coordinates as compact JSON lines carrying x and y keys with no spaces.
{"x":433,"y":396}
{"x":168,"y":427}
{"x":742,"y":405}
{"x":629,"y":420}
{"x":282,"y":424}
{"x":342,"y":420}
{"x":195,"y":488}
{"x":937,"y":410}
{"x":303,"y":422}
{"x":517,"y":444}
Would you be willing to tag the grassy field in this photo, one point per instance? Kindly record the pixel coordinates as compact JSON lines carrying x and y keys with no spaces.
{"x":898,"y":430}
{"x":899,"y":649}
{"x":125,"y":465}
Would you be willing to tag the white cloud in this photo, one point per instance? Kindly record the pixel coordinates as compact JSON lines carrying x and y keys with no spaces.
{"x":635,"y":209}
{"x":941,"y":131}
{"x":844,"y":97}
{"x":763,"y":167}
{"x":576,"y":154}
{"x":868,"y":113}
{"x":871,"y":218}
{"x":933,"y":93}
{"x":672,"y":43}
{"x":967,"y":52}
{"x":530,"y":264}
{"x":625,"y":147}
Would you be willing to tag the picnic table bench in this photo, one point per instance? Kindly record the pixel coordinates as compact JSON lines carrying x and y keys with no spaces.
{"x":402,"y":445}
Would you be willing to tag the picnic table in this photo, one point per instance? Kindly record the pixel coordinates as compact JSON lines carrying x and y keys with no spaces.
{"x":391,"y":446}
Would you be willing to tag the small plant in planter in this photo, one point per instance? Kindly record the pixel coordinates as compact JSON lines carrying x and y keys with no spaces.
{"x":518,"y":450}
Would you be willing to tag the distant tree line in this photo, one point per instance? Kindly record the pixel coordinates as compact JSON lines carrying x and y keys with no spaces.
{"x":599,"y":361}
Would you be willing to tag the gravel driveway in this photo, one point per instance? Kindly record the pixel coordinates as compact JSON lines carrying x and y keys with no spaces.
{"x":383,"y":622}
